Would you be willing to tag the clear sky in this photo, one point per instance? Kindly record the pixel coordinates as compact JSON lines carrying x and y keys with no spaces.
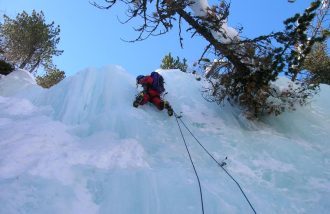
{"x":91,"y":37}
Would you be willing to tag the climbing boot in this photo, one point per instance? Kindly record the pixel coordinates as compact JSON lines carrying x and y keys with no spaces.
{"x":138,"y":100}
{"x":135,"y":104}
{"x":169,"y":108}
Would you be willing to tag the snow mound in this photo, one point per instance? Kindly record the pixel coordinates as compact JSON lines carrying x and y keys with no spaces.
{"x":16,"y":81}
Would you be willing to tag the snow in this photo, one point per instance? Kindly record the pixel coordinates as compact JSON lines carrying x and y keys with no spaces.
{"x":16,"y":81}
{"x":200,"y":8}
{"x":80,"y":147}
{"x":325,"y":4}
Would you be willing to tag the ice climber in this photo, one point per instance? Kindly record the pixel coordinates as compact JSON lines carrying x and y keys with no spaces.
{"x":153,"y":87}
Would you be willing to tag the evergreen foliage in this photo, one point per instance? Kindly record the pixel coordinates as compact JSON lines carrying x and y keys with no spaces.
{"x":264,"y":59}
{"x":169,"y":62}
{"x":5,"y":67}
{"x":28,"y":41}
{"x":51,"y":78}
{"x":317,"y":64}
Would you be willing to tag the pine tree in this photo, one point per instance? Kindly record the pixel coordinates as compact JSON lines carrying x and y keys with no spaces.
{"x":51,"y":78}
{"x":169,"y":62}
{"x":28,"y":41}
{"x":318,"y":64}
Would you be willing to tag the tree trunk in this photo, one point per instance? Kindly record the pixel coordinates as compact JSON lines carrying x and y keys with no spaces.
{"x":24,"y":63}
{"x":35,"y":66}
{"x":27,"y":60}
{"x":294,"y":77}
{"x":230,"y":54}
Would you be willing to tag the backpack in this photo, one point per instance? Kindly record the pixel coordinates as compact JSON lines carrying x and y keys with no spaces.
{"x":158,"y":82}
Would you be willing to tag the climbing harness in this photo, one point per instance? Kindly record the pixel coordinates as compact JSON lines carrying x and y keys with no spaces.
{"x":222,"y":164}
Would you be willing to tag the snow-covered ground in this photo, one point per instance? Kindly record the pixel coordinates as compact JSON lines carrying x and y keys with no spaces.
{"x":80,"y":147}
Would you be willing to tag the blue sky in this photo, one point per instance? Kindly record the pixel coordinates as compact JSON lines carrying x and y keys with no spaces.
{"x":91,"y":37}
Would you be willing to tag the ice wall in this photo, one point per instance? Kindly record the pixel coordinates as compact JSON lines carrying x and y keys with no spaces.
{"x":80,"y":147}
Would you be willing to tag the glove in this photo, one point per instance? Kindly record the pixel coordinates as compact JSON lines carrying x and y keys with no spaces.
{"x":138,"y":99}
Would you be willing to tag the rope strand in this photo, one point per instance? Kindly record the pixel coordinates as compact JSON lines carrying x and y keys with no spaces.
{"x":192,"y":163}
{"x":219,"y":164}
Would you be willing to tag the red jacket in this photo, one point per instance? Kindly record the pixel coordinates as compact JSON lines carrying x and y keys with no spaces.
{"x":146,"y":83}
{"x":150,"y":94}
{"x":147,"y":80}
